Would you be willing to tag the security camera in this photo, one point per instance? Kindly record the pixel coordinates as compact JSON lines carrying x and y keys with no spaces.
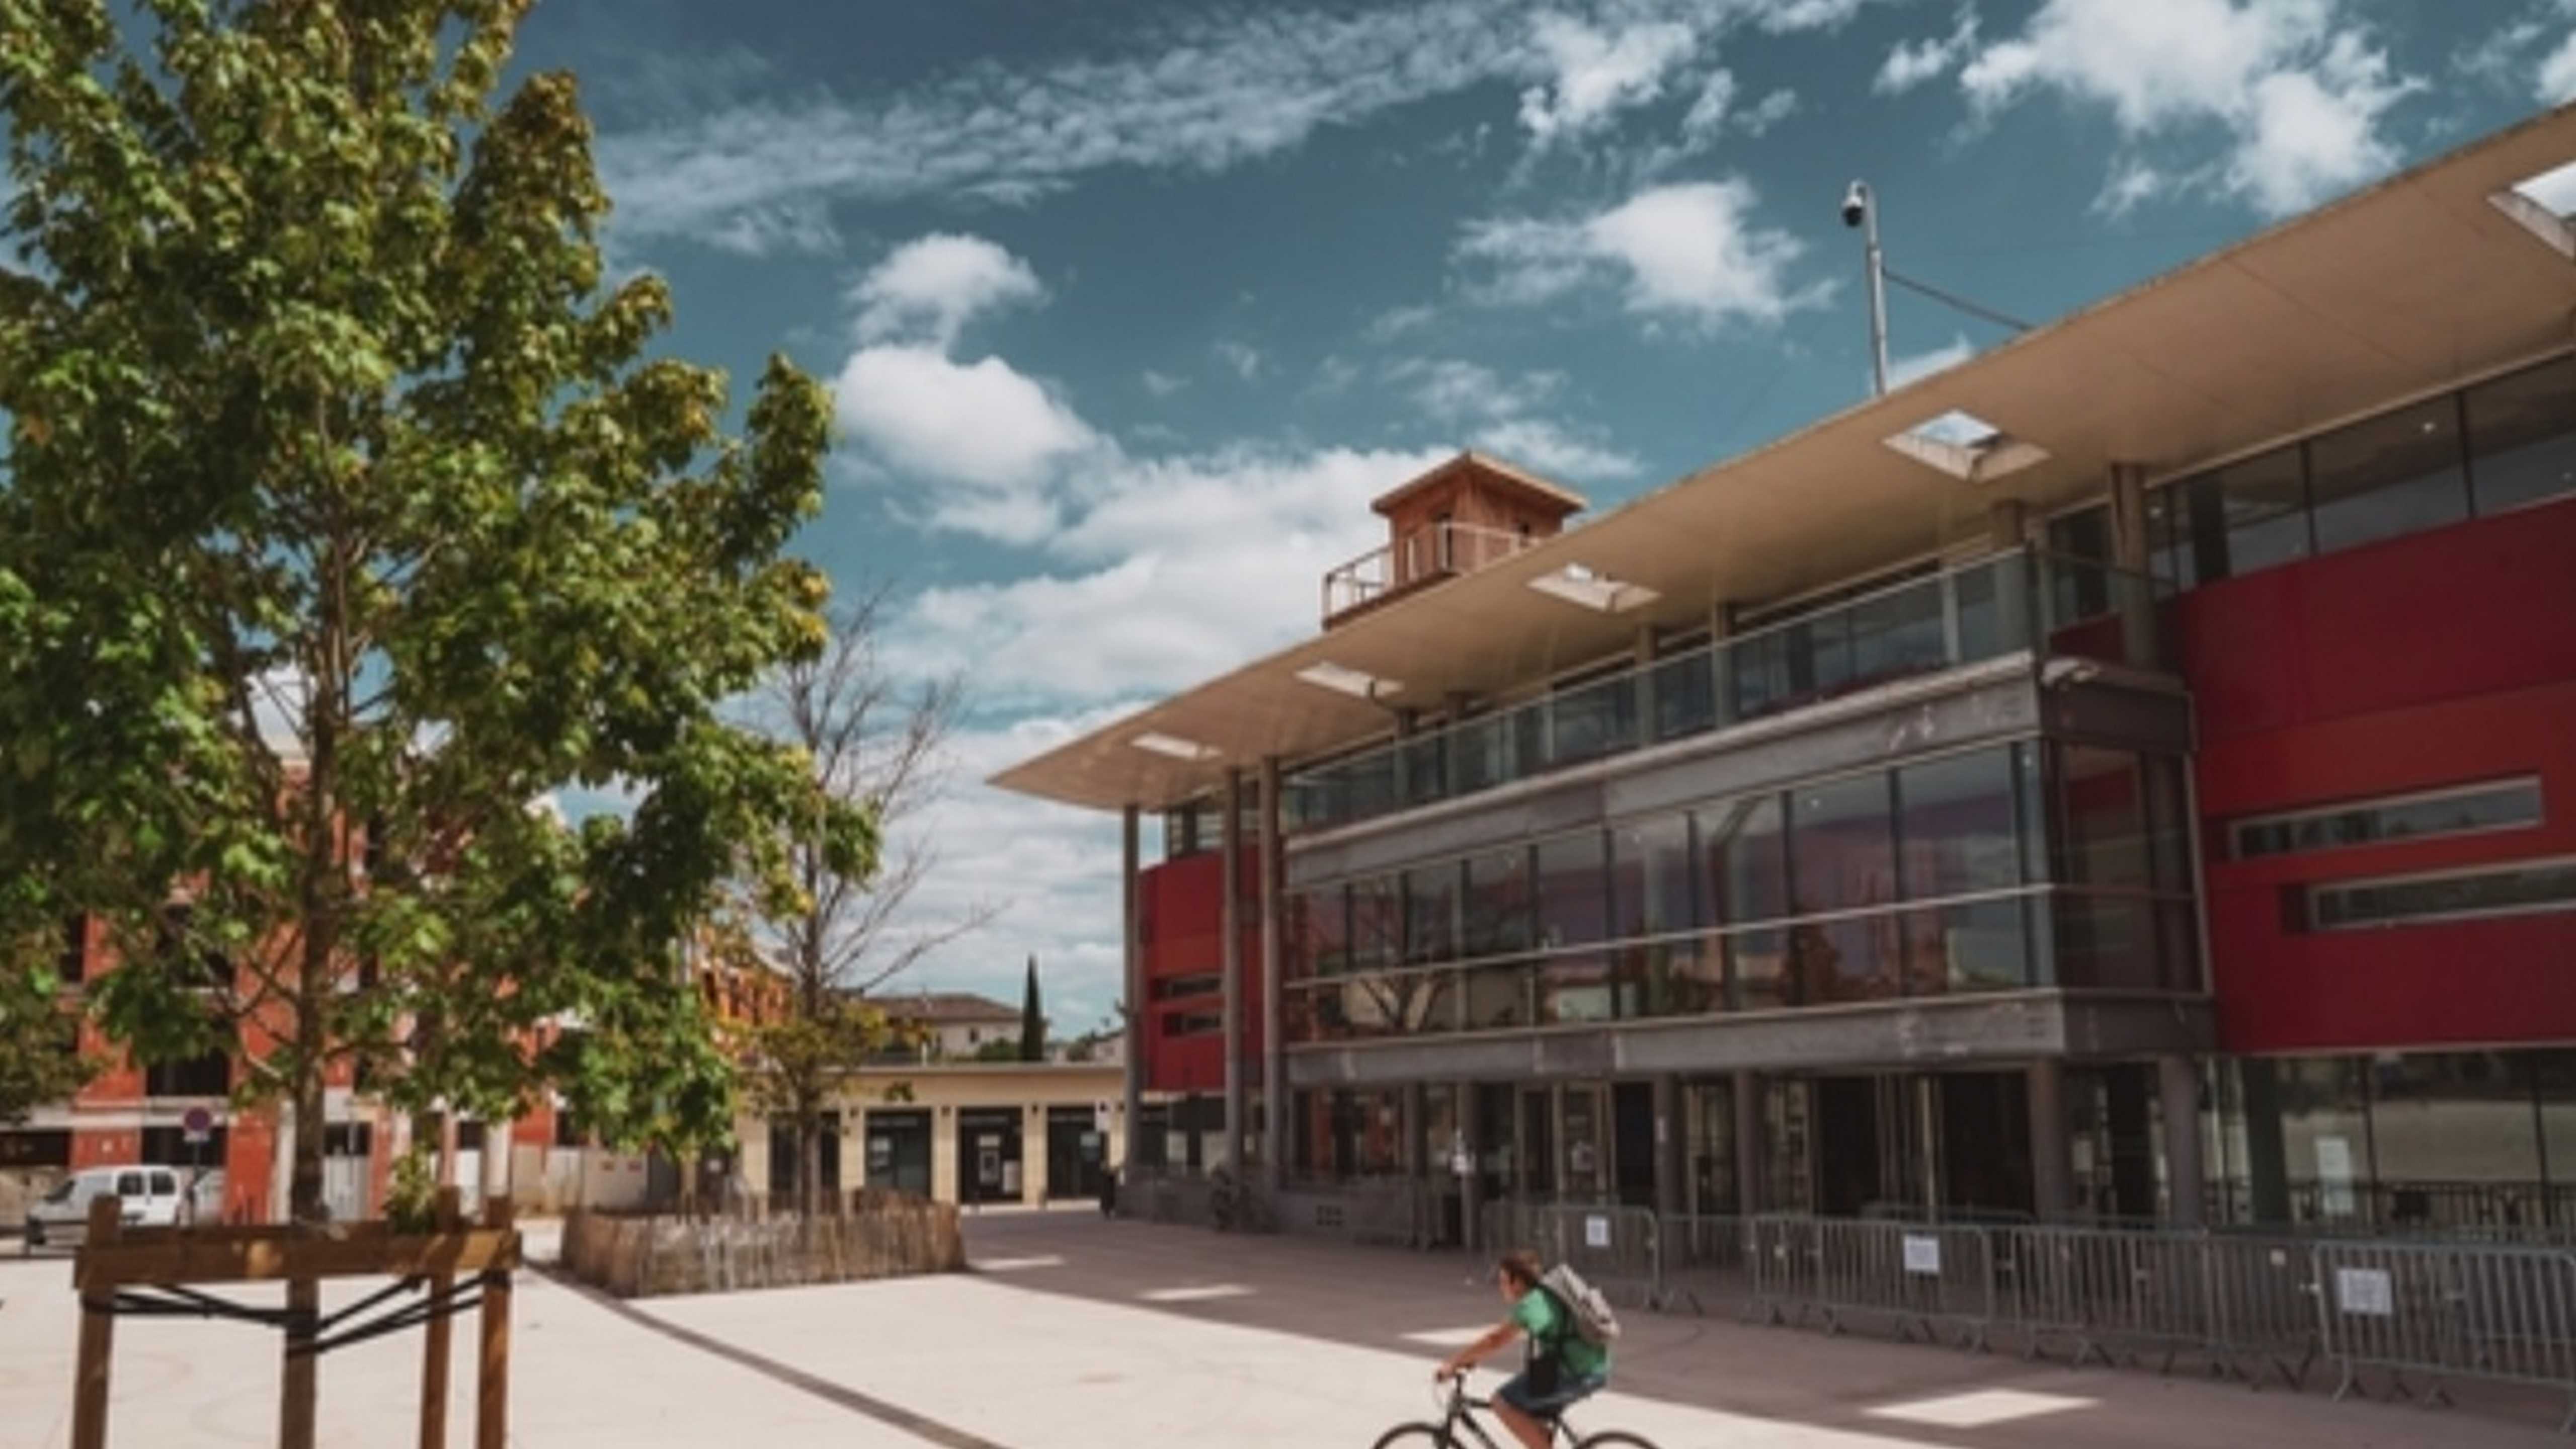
{"x":1855,"y":204}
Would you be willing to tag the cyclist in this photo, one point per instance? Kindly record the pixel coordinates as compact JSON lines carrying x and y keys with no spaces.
{"x":1561,"y":1370}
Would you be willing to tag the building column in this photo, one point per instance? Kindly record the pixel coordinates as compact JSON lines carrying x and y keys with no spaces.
{"x":1033,"y":1154}
{"x":2052,"y":1162}
{"x":2133,"y":553}
{"x":1230,"y":919}
{"x":2267,"y":1150}
{"x":1752,"y":1186}
{"x":2186,"y":1181}
{"x":1669,"y":1166}
{"x":943,"y":1156}
{"x":1274,"y":1086}
{"x":1132,"y":895}
{"x":1471,"y":1188}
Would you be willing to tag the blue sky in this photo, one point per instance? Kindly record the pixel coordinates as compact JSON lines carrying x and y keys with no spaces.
{"x":1131,"y":308}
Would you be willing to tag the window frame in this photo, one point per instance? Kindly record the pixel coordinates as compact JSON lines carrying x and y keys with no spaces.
{"x":2237,"y":828}
{"x":2312,"y":895}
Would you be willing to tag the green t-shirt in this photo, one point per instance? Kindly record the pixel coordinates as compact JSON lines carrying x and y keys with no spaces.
{"x":1545,"y":1322}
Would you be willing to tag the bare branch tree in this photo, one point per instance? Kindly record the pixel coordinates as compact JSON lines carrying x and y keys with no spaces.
{"x":878,"y":741}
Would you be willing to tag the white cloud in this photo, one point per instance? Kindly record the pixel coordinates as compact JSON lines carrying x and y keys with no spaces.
{"x":991,"y":434}
{"x":2556,"y":81}
{"x":1393,"y":323}
{"x":1167,"y":571}
{"x":1595,"y":74}
{"x":930,"y":287}
{"x":1770,"y":111}
{"x":1689,"y":251}
{"x":2295,"y":85}
{"x":1502,"y":415}
{"x":1218,"y":87}
{"x":2132,"y":184}
{"x":1914,"y":367}
{"x":1245,"y":359}
{"x":1912,"y":63}
{"x":1707,"y":115}
{"x":787,"y":226}
{"x":1163,"y":384}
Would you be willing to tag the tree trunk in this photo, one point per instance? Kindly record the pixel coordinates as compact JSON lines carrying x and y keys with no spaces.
{"x":809,"y":1164}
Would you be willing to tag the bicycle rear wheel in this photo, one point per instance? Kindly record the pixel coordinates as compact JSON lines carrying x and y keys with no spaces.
{"x":1614,"y":1439}
{"x":1417,"y":1436}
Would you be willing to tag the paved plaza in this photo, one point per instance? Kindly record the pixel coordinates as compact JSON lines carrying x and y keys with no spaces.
{"x":1082,"y":1334}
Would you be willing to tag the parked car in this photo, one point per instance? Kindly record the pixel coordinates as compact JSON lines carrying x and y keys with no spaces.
{"x":152,"y":1199}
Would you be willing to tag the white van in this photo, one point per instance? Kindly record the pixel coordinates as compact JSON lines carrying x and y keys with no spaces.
{"x":153,"y":1197}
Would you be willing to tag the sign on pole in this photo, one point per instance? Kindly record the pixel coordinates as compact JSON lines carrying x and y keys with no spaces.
{"x":198,"y":1126}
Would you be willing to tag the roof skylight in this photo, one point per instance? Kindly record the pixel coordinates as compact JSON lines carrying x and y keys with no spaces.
{"x":1577,"y":584}
{"x":1966,"y":447}
{"x":1175,"y":747}
{"x":1342,"y":679}
{"x":2542,"y":204}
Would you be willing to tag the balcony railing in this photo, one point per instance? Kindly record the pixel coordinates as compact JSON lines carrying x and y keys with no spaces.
{"x":1439,"y":551}
{"x":2028,"y":599}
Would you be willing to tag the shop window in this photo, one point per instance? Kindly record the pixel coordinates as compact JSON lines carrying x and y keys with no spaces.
{"x":2391,"y":475}
{"x":2451,"y":1136}
{"x":2522,"y":437}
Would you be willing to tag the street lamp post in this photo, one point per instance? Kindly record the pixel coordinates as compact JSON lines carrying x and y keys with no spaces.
{"x":1860,"y":209}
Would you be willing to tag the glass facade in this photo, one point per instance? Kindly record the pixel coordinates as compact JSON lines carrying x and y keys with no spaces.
{"x":2033,"y":599}
{"x":2421,"y":1141}
{"x":2500,"y":445}
{"x":1993,"y":869}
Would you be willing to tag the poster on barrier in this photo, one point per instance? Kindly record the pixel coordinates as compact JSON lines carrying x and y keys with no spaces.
{"x":2365,"y":1290}
{"x":1923,"y":1255}
{"x":1596,"y":1231}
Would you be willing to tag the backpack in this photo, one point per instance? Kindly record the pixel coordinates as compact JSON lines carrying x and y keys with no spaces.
{"x":1594,"y":1321}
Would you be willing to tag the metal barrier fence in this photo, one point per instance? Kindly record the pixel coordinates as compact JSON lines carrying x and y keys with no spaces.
{"x":1922,"y":1277}
{"x":1617,"y":1249}
{"x":2448,"y":1312}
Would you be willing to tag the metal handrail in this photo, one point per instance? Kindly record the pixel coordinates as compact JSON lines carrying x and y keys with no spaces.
{"x":1434,"y":551}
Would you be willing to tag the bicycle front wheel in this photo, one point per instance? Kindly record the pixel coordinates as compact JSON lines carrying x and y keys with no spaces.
{"x":1417,"y":1436}
{"x":1615,"y":1439}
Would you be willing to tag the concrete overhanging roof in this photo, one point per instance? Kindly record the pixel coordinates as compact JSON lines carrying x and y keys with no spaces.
{"x":2397,"y":289}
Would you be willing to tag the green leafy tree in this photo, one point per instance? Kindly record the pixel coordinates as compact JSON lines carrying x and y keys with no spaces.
{"x":40,"y":1059}
{"x":1032,"y":1019}
{"x":347,"y":511}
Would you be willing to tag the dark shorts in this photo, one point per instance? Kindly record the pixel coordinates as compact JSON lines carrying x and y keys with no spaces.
{"x":1571,"y":1389}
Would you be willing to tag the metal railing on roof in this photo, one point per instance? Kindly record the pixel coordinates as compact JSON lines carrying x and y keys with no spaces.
{"x":1436,"y":551}
{"x":2025,"y":599}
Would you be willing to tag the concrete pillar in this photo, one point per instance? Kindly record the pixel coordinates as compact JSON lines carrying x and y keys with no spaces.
{"x":1230,"y":918}
{"x":1033,"y":1154}
{"x":943,"y":1155}
{"x":1669,"y":1166}
{"x":2267,"y":1151}
{"x":2186,"y":1180}
{"x":1133,"y":916}
{"x":1752,"y":1187}
{"x":2052,"y":1165}
{"x":1471,"y":1188}
{"x":1274,"y":1083}
{"x":2133,"y":553}
{"x":1645,"y":700}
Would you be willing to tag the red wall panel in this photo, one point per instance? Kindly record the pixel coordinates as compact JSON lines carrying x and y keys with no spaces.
{"x":1183,"y":935}
{"x":2441,"y":659}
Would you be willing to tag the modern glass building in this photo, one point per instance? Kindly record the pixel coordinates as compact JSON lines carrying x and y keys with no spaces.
{"x":2131,"y":774}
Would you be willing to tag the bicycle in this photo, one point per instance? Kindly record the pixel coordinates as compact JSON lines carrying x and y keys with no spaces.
{"x":1458,"y":1428}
